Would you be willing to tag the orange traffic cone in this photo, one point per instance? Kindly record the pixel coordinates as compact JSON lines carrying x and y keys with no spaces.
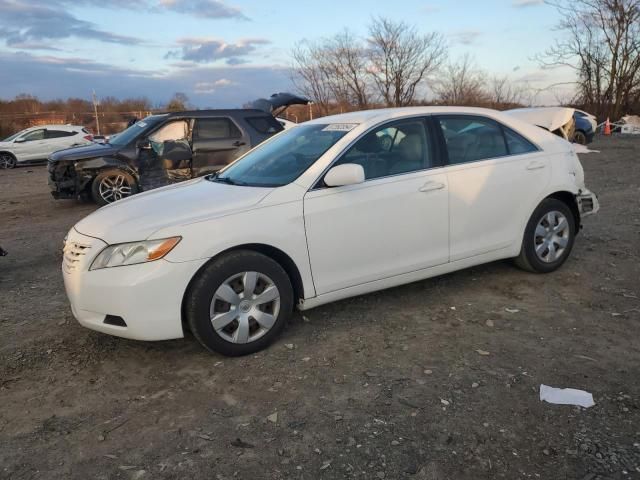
{"x":607,"y":127}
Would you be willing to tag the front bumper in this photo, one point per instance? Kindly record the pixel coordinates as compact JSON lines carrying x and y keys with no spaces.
{"x":587,"y":203}
{"x":148,"y":296}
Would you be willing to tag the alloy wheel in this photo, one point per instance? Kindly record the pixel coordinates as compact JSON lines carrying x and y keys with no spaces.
{"x":245,"y":307}
{"x":551,"y":236}
{"x":7,"y":161}
{"x":114,"y":187}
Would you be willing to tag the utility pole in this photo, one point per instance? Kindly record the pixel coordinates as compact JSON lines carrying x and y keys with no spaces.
{"x":95,"y":112}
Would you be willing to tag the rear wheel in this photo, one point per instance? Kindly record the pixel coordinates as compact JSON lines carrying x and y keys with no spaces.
{"x":112,"y":185}
{"x":239,"y":303}
{"x":548,"y":237}
{"x":7,"y":160}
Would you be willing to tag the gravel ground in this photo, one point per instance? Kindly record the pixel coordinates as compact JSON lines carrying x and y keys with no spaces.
{"x":434,"y":380}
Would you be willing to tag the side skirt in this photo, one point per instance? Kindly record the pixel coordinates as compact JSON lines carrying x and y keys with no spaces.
{"x":405,"y":278}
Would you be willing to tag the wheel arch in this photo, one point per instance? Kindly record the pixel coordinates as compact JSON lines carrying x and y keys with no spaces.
{"x":569,"y":199}
{"x":279,"y":256}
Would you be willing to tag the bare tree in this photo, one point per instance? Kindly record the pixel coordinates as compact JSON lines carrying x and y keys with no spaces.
{"x":505,"y":94}
{"x":346,"y":66}
{"x":601,"y":43}
{"x":178,"y":102}
{"x":461,"y":83}
{"x":310,"y":74}
{"x":400,"y":59}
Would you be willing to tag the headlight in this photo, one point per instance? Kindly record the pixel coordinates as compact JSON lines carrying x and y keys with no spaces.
{"x":134,"y":252}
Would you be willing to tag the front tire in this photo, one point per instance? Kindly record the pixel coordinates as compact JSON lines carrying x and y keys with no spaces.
{"x":7,"y":160}
{"x":579,"y":137}
{"x":548,"y":237}
{"x":239,"y":304}
{"x":112,"y":185}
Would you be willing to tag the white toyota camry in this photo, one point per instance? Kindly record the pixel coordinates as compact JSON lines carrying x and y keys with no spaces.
{"x":336,"y":207}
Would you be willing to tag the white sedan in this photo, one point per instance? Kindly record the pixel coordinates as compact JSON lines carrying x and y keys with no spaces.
{"x":35,"y":144}
{"x":336,"y":207}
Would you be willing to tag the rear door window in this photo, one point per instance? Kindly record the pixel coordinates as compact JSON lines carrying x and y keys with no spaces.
{"x":215,"y":129}
{"x":267,"y":125}
{"x":516,"y":143}
{"x":59,"y":133}
{"x":472,"y":138}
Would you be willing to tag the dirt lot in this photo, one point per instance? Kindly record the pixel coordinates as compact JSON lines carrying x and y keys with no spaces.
{"x":435,"y":380}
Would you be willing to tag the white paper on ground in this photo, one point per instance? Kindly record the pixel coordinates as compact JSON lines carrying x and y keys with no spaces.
{"x":566,"y":396}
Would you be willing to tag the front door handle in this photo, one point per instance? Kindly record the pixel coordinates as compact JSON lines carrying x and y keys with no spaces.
{"x":431,"y":186}
{"x":535,"y":165}
{"x":238,"y":143}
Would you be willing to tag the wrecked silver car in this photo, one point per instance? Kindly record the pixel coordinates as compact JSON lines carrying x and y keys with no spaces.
{"x":163,"y":149}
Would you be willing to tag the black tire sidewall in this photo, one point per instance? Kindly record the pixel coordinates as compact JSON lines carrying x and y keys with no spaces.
{"x":95,"y":185}
{"x":528,"y":244}
{"x":580,"y":138}
{"x":13,"y":163}
{"x":208,"y":280}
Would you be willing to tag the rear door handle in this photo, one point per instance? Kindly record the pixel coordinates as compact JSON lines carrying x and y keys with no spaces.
{"x":238,"y":143}
{"x":431,"y":186}
{"x":535,"y":166}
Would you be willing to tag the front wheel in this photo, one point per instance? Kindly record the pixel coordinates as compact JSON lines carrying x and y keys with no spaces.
{"x":579,"y":137}
{"x":548,"y":237}
{"x":239,"y":303}
{"x":7,"y":160}
{"x":112,"y":185}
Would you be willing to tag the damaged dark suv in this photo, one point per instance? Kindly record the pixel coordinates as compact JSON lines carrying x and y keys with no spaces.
{"x":164,"y":149}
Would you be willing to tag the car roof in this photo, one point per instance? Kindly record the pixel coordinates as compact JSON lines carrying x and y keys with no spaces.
{"x":231,"y":112}
{"x":366,"y":116}
{"x":54,"y":126}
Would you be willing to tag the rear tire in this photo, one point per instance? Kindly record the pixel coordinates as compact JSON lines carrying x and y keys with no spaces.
{"x":112,"y":185}
{"x":8,"y":160}
{"x":239,"y":304}
{"x":548,"y":237}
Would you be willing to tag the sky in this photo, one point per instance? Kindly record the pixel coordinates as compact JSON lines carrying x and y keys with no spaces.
{"x":223,"y":53}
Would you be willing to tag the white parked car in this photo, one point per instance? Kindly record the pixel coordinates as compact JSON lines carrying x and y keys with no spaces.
{"x":35,"y":144}
{"x":336,"y":207}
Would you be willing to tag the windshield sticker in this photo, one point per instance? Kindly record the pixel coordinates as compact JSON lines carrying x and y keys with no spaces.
{"x":141,"y":124}
{"x":339,"y":127}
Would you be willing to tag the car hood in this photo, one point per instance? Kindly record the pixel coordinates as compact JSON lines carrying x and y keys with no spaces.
{"x":88,"y":151}
{"x":138,"y":217}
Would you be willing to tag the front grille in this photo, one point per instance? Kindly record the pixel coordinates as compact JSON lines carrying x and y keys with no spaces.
{"x":73,"y":253}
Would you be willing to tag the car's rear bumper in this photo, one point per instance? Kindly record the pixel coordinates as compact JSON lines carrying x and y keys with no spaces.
{"x":587,"y":203}
{"x":141,"y":302}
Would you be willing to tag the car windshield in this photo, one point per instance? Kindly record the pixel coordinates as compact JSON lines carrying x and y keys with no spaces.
{"x":281,"y":160}
{"x":134,"y":131}
{"x":12,"y":137}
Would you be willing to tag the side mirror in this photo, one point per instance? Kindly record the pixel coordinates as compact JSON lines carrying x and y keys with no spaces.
{"x":144,"y":145}
{"x":19,"y":140}
{"x":345,"y":174}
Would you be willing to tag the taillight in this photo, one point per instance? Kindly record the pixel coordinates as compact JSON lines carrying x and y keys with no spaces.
{"x":88,"y":137}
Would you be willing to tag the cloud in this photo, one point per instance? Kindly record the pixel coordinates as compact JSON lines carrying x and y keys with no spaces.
{"x":204,"y":8}
{"x":24,"y":23}
{"x":465,"y":37}
{"x":526,"y":3}
{"x":211,"y":87}
{"x":23,"y":72}
{"x":208,"y":50}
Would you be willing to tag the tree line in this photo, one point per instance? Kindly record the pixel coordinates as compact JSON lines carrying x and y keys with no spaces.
{"x":113,"y":114}
{"x":395,"y":65}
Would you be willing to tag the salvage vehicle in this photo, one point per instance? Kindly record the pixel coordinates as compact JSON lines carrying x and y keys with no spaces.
{"x":558,"y":120}
{"x":584,"y":131}
{"x":35,"y":144}
{"x":324,"y":211}
{"x":163,"y":149}
{"x":590,"y":118}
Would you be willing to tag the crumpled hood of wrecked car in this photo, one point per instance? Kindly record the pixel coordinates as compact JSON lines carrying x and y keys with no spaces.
{"x":93,"y":150}
{"x":138,"y":217}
